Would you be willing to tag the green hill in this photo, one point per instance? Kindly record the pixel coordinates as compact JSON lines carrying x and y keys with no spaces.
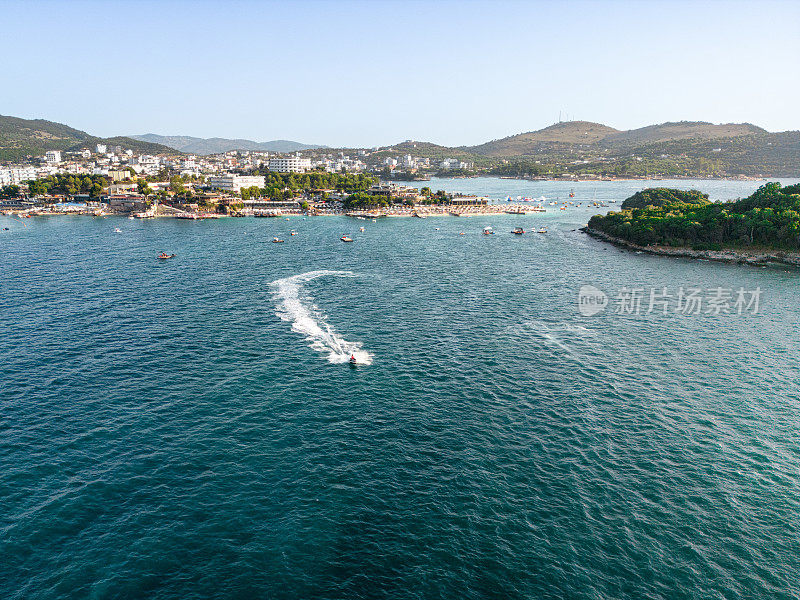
{"x":21,"y":138}
{"x":683,"y":130}
{"x":571,"y":132}
{"x":664,"y":196}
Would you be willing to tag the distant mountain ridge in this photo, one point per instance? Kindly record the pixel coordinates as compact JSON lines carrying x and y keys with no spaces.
{"x":587,"y":133}
{"x":33,"y":137}
{"x":684,"y":148}
{"x":203,"y":146}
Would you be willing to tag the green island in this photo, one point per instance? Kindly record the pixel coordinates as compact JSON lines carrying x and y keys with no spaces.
{"x":764,"y":227}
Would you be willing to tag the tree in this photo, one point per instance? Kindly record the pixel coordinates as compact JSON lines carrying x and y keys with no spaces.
{"x":143,"y":188}
{"x":9,"y":191}
{"x":176,"y":184}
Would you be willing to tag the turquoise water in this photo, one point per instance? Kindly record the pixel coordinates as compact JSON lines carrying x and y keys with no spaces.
{"x":186,"y":428}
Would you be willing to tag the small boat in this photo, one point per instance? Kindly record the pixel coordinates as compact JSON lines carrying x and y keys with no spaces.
{"x":346,"y":238}
{"x":165,"y":256}
{"x":293,"y":233}
{"x":488,"y":231}
{"x":277,"y":241}
{"x":361,"y":229}
{"x":436,"y":229}
{"x":518,"y":231}
{"x":542,"y":230}
{"x":353,"y":360}
{"x":117,"y":230}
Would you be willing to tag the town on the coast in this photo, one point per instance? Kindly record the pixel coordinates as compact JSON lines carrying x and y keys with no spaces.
{"x":116,"y":180}
{"x":48,"y":167}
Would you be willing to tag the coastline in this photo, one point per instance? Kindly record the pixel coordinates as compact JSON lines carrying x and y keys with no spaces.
{"x":748,"y":257}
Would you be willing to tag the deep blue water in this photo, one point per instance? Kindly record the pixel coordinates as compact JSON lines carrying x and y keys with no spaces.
{"x":185,"y":428}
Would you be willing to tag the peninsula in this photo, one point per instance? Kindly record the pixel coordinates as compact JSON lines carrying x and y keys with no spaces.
{"x":762,"y":228}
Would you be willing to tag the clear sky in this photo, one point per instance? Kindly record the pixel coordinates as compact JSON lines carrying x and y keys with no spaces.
{"x":373,"y":73}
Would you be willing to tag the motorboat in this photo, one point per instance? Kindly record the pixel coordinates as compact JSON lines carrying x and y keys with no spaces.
{"x":361,"y":229}
{"x":518,"y":231}
{"x":117,"y":230}
{"x":346,"y":238}
{"x":165,"y":256}
{"x":277,"y":241}
{"x":488,"y":231}
{"x":353,"y":360}
{"x":293,"y":233}
{"x":542,"y":230}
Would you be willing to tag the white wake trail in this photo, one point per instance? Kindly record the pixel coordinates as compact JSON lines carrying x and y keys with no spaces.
{"x":296,"y":307}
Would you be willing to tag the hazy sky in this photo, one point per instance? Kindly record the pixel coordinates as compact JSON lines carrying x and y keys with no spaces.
{"x":373,"y":73}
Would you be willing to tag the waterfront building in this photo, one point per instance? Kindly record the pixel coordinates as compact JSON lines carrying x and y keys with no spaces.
{"x":16,"y":175}
{"x":127,"y":202}
{"x":292,"y":164}
{"x":234,"y":183}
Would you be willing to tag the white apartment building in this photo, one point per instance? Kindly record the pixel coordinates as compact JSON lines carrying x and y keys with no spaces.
{"x":293,"y":164}
{"x":100,"y":148}
{"x":16,"y":175}
{"x":52,"y":157}
{"x":234,"y":183}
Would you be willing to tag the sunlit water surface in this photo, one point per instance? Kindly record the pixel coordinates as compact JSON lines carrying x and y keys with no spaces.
{"x":191,"y":428}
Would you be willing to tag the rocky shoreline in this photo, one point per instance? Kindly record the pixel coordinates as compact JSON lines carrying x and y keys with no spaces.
{"x":748,"y":257}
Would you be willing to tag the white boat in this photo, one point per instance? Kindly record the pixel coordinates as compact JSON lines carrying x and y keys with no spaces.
{"x":488,"y":231}
{"x":117,"y":230}
{"x":361,"y":229}
{"x":346,"y":238}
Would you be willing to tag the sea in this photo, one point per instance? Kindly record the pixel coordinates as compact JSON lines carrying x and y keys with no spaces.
{"x":533,"y":416}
